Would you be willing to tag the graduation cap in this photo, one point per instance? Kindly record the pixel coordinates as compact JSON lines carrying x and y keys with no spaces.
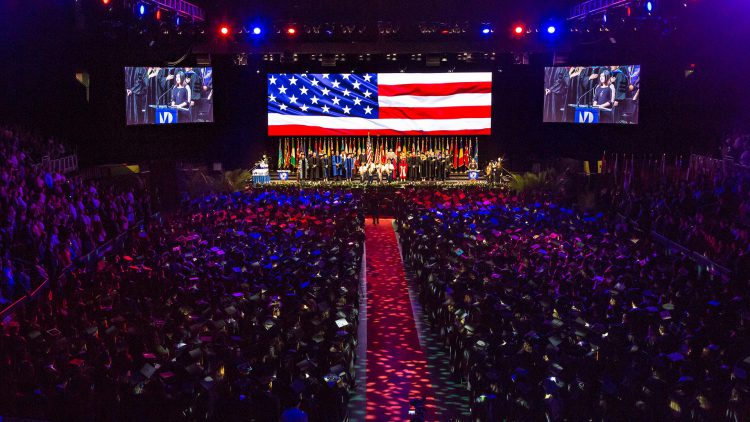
{"x":147,"y":370}
{"x":675,"y":357}
{"x":194,"y":369}
{"x":298,"y":386}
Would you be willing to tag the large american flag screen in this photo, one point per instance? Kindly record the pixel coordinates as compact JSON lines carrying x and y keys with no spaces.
{"x":348,"y":104}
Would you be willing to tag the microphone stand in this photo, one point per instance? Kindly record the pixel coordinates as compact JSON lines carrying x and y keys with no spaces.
{"x":158,"y":100}
{"x":578,"y":102}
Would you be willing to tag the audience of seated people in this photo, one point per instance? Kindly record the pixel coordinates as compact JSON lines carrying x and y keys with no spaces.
{"x":50,"y":219}
{"x":737,"y":146}
{"x":240,"y":307}
{"x":552,"y":314}
{"x":708,"y":215}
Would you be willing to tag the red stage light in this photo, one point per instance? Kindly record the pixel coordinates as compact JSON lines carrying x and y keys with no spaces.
{"x":158,"y":14}
{"x":224,"y":30}
{"x":105,"y":2}
{"x":628,"y":11}
{"x":518,"y":29}
{"x":291,"y":31}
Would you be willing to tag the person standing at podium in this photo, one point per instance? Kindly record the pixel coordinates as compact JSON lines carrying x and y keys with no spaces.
{"x":604,"y":93}
{"x":181,"y":97}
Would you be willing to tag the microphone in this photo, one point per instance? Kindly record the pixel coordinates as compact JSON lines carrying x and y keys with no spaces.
{"x":585,"y":94}
{"x":158,"y":100}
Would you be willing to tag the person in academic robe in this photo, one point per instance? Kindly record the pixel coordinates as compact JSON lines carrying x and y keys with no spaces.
{"x":303,"y":172}
{"x":137,"y":94}
{"x":154,"y":91}
{"x":557,"y":80}
{"x":349,"y":166}
{"x":428,"y":165}
{"x":448,"y":158}
{"x":423,"y":166}
{"x":436,"y":166}
{"x":337,"y":163}
{"x":402,"y":167}
{"x":325,"y":167}
{"x":193,"y":79}
{"x":314,"y":171}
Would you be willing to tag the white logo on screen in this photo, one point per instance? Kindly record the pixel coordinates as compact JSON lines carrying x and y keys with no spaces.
{"x":165,"y":117}
{"x":586,"y":117}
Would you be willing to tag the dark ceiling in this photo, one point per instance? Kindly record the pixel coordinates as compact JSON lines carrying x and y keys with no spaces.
{"x":394,"y":10}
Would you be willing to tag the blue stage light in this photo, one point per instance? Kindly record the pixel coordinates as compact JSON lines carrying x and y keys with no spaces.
{"x":486,"y":31}
{"x":142,"y":9}
{"x":604,"y":18}
{"x":649,"y":6}
{"x":177,"y":21}
{"x":257,"y":30}
{"x":551,"y":29}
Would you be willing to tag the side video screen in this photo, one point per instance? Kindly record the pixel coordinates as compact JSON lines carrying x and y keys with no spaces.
{"x":592,"y":95}
{"x":168,"y":95}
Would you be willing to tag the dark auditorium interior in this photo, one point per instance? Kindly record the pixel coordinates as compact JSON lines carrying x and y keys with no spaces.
{"x":423,"y":211}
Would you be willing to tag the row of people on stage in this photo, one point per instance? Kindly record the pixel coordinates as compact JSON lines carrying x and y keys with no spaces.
{"x":494,"y":170}
{"x":434,"y":166}
{"x":188,"y":88}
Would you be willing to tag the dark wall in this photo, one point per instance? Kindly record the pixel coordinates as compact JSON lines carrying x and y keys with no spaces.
{"x":678,"y":114}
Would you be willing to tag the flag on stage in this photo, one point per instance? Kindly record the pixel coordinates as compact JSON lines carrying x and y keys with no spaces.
{"x":280,"y":163}
{"x":369,"y":148}
{"x":461,"y":154}
{"x":458,"y":103}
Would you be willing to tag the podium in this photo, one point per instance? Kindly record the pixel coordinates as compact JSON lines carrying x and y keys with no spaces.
{"x":283,"y":175}
{"x":473,"y":174}
{"x":586,"y":114}
{"x":261,"y":177}
{"x":165,"y":114}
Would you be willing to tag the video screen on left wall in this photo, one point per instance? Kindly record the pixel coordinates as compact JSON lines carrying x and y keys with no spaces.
{"x":168,"y":95}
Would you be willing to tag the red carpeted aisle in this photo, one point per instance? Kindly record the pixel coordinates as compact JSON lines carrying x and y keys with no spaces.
{"x":396,"y":366}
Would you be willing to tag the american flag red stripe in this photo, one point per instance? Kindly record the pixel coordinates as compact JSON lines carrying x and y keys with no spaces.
{"x":302,"y":130}
{"x":436,"y":112}
{"x":435,"y":89}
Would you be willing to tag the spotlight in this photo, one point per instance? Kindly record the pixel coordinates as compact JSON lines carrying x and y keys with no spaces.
{"x":551,"y":29}
{"x":142,"y":9}
{"x":158,"y":14}
{"x":604,"y":18}
{"x":486,"y":30}
{"x":224,"y":30}
{"x":105,"y":2}
{"x":257,"y":30}
{"x":518,"y":30}
{"x":628,"y":11}
{"x":177,"y":21}
{"x":291,"y":30}
{"x":649,"y":6}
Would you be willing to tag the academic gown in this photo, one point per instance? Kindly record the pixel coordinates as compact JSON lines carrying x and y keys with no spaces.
{"x":325,"y":164}
{"x":349,"y":167}
{"x":303,"y":168}
{"x":337,"y":165}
